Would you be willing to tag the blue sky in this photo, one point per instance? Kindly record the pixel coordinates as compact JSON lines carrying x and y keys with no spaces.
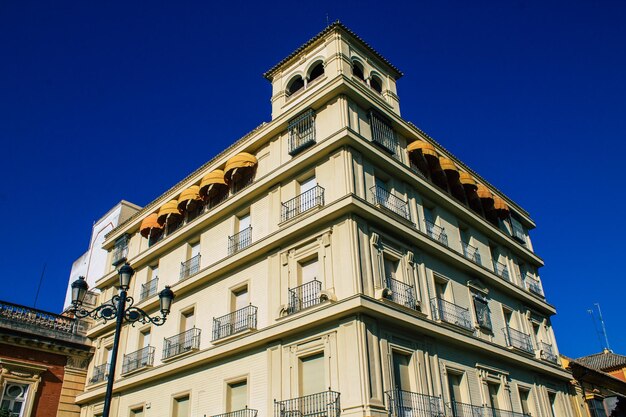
{"x":119,"y":100}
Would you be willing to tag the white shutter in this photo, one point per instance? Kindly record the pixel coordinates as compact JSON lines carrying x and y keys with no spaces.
{"x":244,"y":222}
{"x":195,"y":249}
{"x":309,"y":271}
{"x":242,"y":299}
{"x":238,"y":396}
{"x":312,"y":374}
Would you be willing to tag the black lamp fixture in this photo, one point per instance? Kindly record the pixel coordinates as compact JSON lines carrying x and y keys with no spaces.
{"x":117,"y":309}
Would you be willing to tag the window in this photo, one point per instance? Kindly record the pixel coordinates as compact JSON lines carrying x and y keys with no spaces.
{"x":391,"y":269}
{"x":187,"y":320}
{"x":376,"y":84}
{"x":308,"y":198}
{"x":308,"y":270}
{"x":596,"y":407}
{"x":237,"y":396}
{"x":144,"y":338}
{"x":493,"y":390}
{"x":454,"y":387}
{"x":312,"y":374}
{"x":243,"y":222}
{"x":181,"y":407}
{"x":383,"y":134}
{"x":553,"y":405}
{"x":483,"y":316}
{"x":401,"y":368}
{"x":137,"y":412}
{"x":243,"y":235}
{"x":120,"y":251}
{"x":524,"y":396}
{"x":153,"y":272}
{"x":240,"y":298}
{"x":13,"y":398}
{"x":316,"y":72}
{"x":301,"y":132}
{"x":357,"y":70}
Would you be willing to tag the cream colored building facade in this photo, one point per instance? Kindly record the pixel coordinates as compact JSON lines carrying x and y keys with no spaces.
{"x":335,"y":260}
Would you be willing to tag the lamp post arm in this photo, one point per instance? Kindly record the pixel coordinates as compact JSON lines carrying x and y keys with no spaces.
{"x":119,"y":319}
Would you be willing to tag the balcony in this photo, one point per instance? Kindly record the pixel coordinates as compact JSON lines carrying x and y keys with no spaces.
{"x":235,"y":322}
{"x":120,"y":253}
{"x":301,"y":132}
{"x":323,"y":404}
{"x":401,"y":293}
{"x":304,"y":296}
{"x":190,"y":267}
{"x":410,"y":404}
{"x":246,"y":412}
{"x":302,"y":203}
{"x":382,"y":133}
{"x":436,"y":233}
{"x":382,"y":198}
{"x":240,"y":241}
{"x":471,"y":253}
{"x":100,"y":373}
{"x":515,"y":338}
{"x":533,"y":285}
{"x":451,"y":313}
{"x":139,"y":359}
{"x":501,"y":270}
{"x":518,"y":233}
{"x":469,"y":410}
{"x":546,"y":352}
{"x":181,"y":343}
{"x":148,"y":289}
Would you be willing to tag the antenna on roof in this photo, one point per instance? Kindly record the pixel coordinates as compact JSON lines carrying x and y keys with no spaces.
{"x":600,"y":331}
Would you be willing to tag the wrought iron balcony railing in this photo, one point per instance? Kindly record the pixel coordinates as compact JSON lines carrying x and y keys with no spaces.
{"x":138,"y":359}
{"x":546,"y":352}
{"x":436,"y":233}
{"x":451,"y":313}
{"x":235,"y":322}
{"x":380,"y":197}
{"x":240,"y":241}
{"x":471,"y":253}
{"x":468,"y":410}
{"x":533,"y":285}
{"x":301,"y":132}
{"x":501,"y":270}
{"x":149,"y":289}
{"x":246,"y":412}
{"x":181,"y":343}
{"x":401,"y":293}
{"x":517,"y":339}
{"x":323,"y":404}
{"x":383,"y":134}
{"x":302,"y":203}
{"x":120,"y":253}
{"x":304,"y":296}
{"x":190,"y":267}
{"x":100,"y":373}
{"x":35,"y":319}
{"x":411,"y":404}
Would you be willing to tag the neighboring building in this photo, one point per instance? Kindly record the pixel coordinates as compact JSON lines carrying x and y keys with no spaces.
{"x":595,"y":392}
{"x":335,"y":260}
{"x":93,"y":263}
{"x":43,"y":362}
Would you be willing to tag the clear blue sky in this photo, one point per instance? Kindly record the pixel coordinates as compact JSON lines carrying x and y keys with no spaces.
{"x":118,"y":100}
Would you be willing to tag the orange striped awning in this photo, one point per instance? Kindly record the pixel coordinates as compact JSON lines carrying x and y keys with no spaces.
{"x":211,"y":179}
{"x":190,"y":194}
{"x":500,"y":205}
{"x":483,"y":192}
{"x":168,"y":209}
{"x":420,"y":145}
{"x":148,"y":224}
{"x":241,"y":160}
{"x":467,"y":179}
{"x":447,"y":164}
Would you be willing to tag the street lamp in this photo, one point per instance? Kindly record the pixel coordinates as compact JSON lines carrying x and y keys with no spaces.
{"x":116,"y":309}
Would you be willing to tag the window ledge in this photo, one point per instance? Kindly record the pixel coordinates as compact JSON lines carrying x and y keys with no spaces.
{"x":179,"y":355}
{"x":232,"y":336}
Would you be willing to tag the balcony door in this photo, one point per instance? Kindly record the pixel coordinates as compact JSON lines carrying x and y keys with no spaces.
{"x":241,"y":300}
{"x":237,"y":396}
{"x":401,"y":371}
{"x":307,"y":199}
{"x":493,"y":393}
{"x":312,"y":374}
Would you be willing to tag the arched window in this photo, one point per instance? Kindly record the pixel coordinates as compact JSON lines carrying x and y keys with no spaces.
{"x":316,"y":72}
{"x":357,"y":70}
{"x":296,"y":84}
{"x":376,"y":84}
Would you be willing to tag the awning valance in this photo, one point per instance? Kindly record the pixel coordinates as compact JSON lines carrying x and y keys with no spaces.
{"x":241,"y":160}
{"x":169,"y":209}
{"x":148,"y":224}
{"x":467,"y":179}
{"x":484,"y":193}
{"x":447,"y":165}
{"x":213,"y":178}
{"x":420,"y":145}
{"x":189,"y":195}
{"x":500,"y":205}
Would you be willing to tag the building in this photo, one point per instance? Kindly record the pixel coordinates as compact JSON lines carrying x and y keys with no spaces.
{"x":335,"y":260}
{"x":43,"y":362}
{"x":596,"y":392}
{"x":93,"y":263}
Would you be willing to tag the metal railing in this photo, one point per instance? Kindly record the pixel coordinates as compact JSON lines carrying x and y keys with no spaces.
{"x":411,"y":404}
{"x":246,"y":412}
{"x":304,"y":296}
{"x":382,"y":133}
{"x":138,"y":359}
{"x":149,"y":289}
{"x":189,"y":267}
{"x":501,"y":270}
{"x":38,"y":318}
{"x":451,"y":313}
{"x":435,"y":232}
{"x":546,"y":352}
{"x":383,"y":198}
{"x":181,"y":343}
{"x":468,"y":410}
{"x":401,"y":293}
{"x":301,"y":132}
{"x":304,"y":202}
{"x":518,"y":233}
{"x":100,"y":373}
{"x":323,"y":404}
{"x":120,"y":252}
{"x":235,"y":322}
{"x":517,"y":339}
{"x":533,"y":285}
{"x":240,"y":240}
{"x":241,"y":182}
{"x":471,"y":253}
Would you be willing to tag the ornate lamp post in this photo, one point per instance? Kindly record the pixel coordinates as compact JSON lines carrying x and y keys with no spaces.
{"x":117,"y":310}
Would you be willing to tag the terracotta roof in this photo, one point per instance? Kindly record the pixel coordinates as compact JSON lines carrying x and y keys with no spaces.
{"x":336,"y":25}
{"x":603,"y":361}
